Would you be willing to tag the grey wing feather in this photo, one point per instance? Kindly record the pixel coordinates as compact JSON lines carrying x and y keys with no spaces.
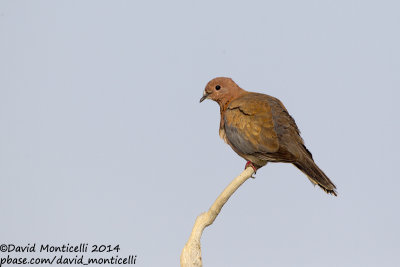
{"x":239,"y":142}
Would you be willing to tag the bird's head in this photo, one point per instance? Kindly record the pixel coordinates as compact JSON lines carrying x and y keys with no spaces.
{"x":222,"y":90}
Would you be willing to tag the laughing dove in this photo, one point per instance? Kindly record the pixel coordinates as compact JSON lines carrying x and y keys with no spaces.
{"x":259,"y":129}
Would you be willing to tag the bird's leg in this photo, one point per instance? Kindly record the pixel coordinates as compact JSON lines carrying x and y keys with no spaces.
{"x":250,"y":164}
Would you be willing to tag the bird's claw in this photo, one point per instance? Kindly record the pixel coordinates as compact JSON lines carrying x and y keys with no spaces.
{"x":250,"y":164}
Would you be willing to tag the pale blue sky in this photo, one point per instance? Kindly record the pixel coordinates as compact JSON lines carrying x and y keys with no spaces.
{"x":102,"y":138}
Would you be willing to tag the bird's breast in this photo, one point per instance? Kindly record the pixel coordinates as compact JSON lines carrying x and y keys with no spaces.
{"x":222,"y":134}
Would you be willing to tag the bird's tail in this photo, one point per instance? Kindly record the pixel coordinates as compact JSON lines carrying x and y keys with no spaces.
{"x":316,"y":175}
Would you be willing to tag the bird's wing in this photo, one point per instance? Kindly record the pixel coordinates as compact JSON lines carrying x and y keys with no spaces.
{"x":290,"y":142}
{"x":249,"y":125}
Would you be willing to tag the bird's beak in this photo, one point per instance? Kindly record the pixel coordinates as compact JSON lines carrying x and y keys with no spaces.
{"x":205,"y":95}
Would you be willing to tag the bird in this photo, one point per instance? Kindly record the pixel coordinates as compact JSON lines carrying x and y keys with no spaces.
{"x":259,"y":128}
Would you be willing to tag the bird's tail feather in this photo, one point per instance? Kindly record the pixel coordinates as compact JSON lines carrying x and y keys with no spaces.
{"x":316,"y":175}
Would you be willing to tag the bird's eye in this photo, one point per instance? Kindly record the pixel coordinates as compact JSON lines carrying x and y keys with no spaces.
{"x":217,"y":87}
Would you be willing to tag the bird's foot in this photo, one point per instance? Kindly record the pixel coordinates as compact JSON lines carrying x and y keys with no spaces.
{"x":250,"y":164}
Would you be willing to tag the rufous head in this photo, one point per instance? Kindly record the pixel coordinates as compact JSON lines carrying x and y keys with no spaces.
{"x":222,"y":90}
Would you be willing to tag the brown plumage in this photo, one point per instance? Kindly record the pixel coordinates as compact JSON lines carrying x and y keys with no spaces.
{"x":259,"y":128}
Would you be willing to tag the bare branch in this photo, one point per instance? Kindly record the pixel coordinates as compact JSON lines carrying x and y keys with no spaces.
{"x":191,"y":253}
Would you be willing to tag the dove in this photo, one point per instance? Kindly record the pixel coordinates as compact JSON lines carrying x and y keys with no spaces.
{"x":259,"y":128}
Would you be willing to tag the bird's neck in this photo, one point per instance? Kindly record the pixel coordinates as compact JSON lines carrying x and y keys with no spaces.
{"x":224,"y":103}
